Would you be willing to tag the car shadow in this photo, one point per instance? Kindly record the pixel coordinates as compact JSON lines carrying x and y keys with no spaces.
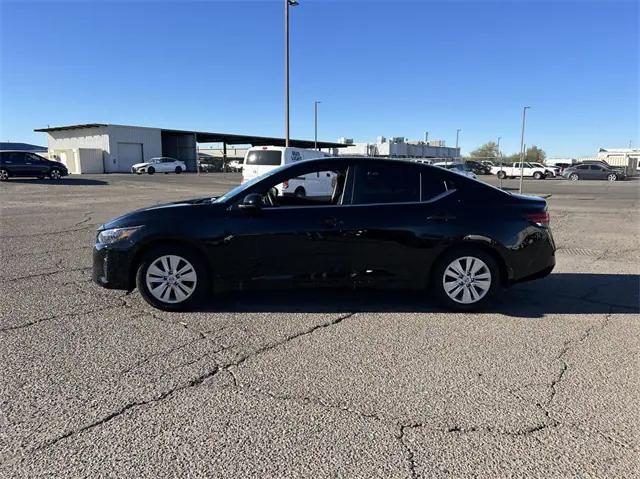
{"x":559,"y":293}
{"x":60,"y":182}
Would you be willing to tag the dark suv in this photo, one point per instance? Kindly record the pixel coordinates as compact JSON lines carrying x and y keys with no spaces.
{"x":23,"y":163}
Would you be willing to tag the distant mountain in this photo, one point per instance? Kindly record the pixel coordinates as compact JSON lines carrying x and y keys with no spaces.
{"x":21,"y":147}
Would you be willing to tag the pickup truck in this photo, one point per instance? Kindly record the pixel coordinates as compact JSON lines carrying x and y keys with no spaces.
{"x":512,"y":171}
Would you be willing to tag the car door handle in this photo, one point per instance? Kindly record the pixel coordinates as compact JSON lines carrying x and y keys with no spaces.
{"x":440,"y":218}
{"x":331,"y":223}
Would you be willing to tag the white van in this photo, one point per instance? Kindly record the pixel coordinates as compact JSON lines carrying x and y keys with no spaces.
{"x":262,"y":159}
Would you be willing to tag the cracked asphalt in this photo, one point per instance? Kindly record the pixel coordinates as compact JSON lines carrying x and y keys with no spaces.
{"x":95,"y":383}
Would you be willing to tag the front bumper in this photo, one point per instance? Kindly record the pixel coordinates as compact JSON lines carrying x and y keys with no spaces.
{"x":112,"y":267}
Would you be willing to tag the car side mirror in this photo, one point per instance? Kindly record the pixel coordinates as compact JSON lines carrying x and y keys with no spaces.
{"x":251,"y":202}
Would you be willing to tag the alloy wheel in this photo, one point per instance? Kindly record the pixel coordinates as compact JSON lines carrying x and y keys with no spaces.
{"x":55,"y":174}
{"x":4,"y":175}
{"x":171,"y":279}
{"x":466,"y":280}
{"x":574,"y":177}
{"x":612,"y":177}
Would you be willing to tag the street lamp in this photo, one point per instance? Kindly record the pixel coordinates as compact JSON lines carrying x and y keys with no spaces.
{"x":499,"y":158}
{"x":524,"y":116}
{"x":426,"y":137}
{"x":315,"y":122}
{"x":287,"y":4}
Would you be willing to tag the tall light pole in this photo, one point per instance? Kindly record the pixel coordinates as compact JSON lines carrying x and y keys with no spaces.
{"x":287,"y":3}
{"x":499,"y":158}
{"x":315,"y":122}
{"x":426,"y":137}
{"x":524,"y":117}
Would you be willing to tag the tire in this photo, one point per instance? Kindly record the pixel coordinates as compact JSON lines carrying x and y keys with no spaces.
{"x":54,"y":174}
{"x":4,"y":175}
{"x":574,"y":177}
{"x":151,"y":170}
{"x":502,"y":175}
{"x":300,"y":192}
{"x":612,"y":177}
{"x":164,"y":292}
{"x":466,"y":292}
{"x":178,"y":170}
{"x":538,"y":176}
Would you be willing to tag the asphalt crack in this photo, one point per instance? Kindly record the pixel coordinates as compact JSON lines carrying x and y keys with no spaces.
{"x":194,"y":382}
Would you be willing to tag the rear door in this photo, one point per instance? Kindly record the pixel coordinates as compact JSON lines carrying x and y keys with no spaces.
{"x":260,"y":161}
{"x":396,"y":219}
{"x":15,"y":163}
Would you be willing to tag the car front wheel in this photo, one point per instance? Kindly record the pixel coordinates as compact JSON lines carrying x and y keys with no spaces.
{"x":151,"y":170}
{"x":574,"y":177}
{"x":178,"y":170}
{"x":612,"y":177}
{"x":54,"y":174}
{"x":171,"y":278}
{"x":466,"y":279}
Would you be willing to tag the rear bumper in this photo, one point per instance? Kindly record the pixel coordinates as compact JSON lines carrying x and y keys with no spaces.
{"x":535,"y":257}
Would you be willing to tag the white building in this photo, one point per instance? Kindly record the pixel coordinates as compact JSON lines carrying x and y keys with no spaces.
{"x":619,"y":156}
{"x":399,"y":147}
{"x":107,"y":148}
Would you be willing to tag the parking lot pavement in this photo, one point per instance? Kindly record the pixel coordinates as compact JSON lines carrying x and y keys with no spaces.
{"x":314,"y":383}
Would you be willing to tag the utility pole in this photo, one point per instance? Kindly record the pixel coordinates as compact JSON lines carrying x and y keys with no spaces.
{"x":315,"y":122}
{"x":287,"y":3}
{"x":499,"y":158}
{"x":426,"y":137}
{"x":522,"y":150}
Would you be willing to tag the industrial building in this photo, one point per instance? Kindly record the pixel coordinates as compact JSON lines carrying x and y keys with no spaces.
{"x":108,"y":148}
{"x":399,"y":147}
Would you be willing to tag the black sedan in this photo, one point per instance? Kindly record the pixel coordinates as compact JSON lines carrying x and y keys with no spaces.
{"x":387,"y":223}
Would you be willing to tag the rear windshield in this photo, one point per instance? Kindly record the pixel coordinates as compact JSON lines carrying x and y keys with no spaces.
{"x":264,"y":157}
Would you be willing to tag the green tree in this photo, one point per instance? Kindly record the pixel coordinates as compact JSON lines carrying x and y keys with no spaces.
{"x":488,"y":150}
{"x":535,"y":154}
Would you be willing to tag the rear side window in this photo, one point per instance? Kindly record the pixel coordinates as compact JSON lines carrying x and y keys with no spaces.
{"x":432,"y":185}
{"x":14,"y":158}
{"x":386,"y":184}
{"x":264,"y":157}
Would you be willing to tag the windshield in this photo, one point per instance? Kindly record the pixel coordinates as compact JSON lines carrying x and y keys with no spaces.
{"x":245,"y":186}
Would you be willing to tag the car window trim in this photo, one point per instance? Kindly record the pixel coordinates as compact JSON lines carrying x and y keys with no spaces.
{"x":442,"y":195}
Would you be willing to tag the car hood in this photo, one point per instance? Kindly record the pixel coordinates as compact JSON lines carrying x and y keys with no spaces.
{"x":168,"y":213}
{"x":140,"y":165}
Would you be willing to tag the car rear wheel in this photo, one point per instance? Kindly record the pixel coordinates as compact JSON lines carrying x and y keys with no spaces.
{"x":574,"y":177}
{"x":612,"y":177}
{"x":502,"y":175}
{"x":171,"y":278}
{"x":151,"y":170}
{"x":4,"y":175}
{"x":466,"y":278}
{"x":538,"y":176}
{"x":54,"y":174}
{"x":300,"y":192}
{"x":178,"y":170}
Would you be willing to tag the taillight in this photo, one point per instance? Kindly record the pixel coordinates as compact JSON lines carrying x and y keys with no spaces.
{"x":541,"y":218}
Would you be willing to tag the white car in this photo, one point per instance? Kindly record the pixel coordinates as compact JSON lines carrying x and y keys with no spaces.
{"x":513,"y":171}
{"x":552,"y":171}
{"x":162,"y":164}
{"x":459,"y":168}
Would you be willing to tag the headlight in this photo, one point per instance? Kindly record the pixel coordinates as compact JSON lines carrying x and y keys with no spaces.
{"x":116,"y":234}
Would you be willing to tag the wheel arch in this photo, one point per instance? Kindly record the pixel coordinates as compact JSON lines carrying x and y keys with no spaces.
{"x":485,"y":244}
{"x":153,"y":243}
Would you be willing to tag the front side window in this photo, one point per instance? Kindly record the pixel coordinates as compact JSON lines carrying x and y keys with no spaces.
{"x":583,"y":167}
{"x":264,"y":157}
{"x":386,"y":183}
{"x":34,"y":158}
{"x":596,"y":168}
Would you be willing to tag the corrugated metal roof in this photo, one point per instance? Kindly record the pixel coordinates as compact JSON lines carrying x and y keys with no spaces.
{"x":21,"y":147}
{"x":212,"y":137}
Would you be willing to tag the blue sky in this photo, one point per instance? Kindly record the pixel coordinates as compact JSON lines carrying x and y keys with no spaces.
{"x":389,"y":68}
